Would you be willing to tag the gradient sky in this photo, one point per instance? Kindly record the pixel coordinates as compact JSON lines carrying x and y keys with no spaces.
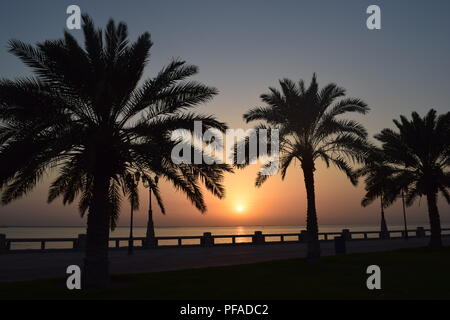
{"x":242,"y":47}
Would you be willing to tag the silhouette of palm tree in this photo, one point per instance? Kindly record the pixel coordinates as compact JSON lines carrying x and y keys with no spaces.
{"x":419,"y":150}
{"x":378,"y":181}
{"x":85,"y":114}
{"x":310,"y":129}
{"x":152,"y":185}
{"x":132,"y":181}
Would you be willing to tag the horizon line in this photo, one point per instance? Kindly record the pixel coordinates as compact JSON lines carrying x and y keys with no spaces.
{"x":210,"y":226}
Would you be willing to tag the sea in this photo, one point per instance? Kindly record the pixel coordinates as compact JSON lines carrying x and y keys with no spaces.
{"x":139,"y":231}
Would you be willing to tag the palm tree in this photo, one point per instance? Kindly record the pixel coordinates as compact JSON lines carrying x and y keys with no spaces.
{"x":405,"y":226}
{"x":133,"y":181}
{"x":419,"y":150}
{"x":378,"y":176}
{"x":152,"y":185}
{"x":85,"y":114}
{"x":310,"y":129}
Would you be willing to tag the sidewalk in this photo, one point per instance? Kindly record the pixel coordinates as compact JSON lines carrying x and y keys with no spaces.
{"x":28,"y":266}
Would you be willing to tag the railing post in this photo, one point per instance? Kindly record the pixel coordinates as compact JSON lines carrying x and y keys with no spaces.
{"x":303,"y":236}
{"x":43,"y":245}
{"x":207,"y":240}
{"x":346,"y":235}
{"x":420,"y":232}
{"x":3,"y":243}
{"x":258,"y":238}
{"x":81,"y":242}
{"x":117,"y":243}
{"x":233,"y":240}
{"x":340,"y":245}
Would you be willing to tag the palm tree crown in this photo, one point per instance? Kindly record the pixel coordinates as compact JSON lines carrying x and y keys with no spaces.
{"x":378,"y":183}
{"x":86,"y":114}
{"x":310,"y":128}
{"x":419,"y":151}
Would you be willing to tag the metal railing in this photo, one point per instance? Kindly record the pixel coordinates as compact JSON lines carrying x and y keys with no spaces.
{"x":208,"y":239}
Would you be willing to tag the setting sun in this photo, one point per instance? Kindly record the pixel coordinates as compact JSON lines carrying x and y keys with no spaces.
{"x":239,"y":208}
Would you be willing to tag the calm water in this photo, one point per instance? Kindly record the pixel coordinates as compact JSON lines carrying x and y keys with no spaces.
{"x":72,"y":232}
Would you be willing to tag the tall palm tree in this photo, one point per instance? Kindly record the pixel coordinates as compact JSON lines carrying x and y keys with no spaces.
{"x":133,"y":181}
{"x":85,"y":114}
{"x":405,"y":225}
{"x":378,"y":185}
{"x":152,"y":185}
{"x":419,"y":150}
{"x":310,"y":128}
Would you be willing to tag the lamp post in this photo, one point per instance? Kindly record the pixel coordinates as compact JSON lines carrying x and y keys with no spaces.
{"x":134,"y":181}
{"x":150,"y":235}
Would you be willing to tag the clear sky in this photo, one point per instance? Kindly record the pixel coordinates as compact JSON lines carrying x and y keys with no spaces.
{"x":242,"y":47}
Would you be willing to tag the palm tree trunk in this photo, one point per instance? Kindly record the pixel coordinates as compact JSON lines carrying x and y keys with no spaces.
{"x":435,"y":222}
{"x":96,"y":264}
{"x":130,"y":239}
{"x":311,"y":214}
{"x":384,"y":229}
{"x":150,"y":236}
{"x":404,"y":215}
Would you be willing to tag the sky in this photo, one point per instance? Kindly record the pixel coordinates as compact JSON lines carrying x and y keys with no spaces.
{"x":242,"y":48}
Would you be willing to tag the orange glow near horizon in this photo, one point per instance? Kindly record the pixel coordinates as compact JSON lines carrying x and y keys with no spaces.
{"x":276,"y":203}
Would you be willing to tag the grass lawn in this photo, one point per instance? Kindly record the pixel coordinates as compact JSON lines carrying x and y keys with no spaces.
{"x":405,"y":274}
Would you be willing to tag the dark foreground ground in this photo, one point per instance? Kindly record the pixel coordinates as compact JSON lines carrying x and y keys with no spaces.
{"x":419,"y":273}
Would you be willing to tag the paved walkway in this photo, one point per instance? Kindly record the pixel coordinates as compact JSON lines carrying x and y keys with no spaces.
{"x":27,"y":266}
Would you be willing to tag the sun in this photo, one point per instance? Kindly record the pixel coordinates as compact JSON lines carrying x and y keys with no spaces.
{"x":239,"y":208}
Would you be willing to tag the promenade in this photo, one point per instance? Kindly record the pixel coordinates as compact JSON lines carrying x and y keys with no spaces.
{"x":52,"y":264}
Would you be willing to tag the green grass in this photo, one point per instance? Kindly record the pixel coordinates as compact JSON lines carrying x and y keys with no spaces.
{"x":405,"y":274}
